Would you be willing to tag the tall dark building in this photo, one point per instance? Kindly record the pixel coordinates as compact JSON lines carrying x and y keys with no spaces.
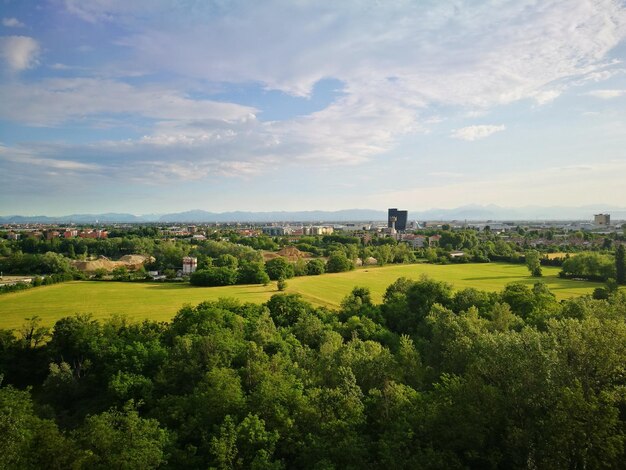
{"x":400,"y":216}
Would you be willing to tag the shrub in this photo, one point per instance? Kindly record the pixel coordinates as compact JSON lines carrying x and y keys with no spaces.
{"x":214,"y":277}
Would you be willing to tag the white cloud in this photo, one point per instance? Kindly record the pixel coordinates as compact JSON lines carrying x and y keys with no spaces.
{"x":19,"y":52}
{"x":438,"y":51}
{"x":471,"y":133}
{"x":12,"y":23}
{"x":607,"y":94}
{"x":56,"y":101}
{"x":397,"y":61}
{"x":24,"y":157}
{"x":400,"y":62}
{"x":546,"y":96}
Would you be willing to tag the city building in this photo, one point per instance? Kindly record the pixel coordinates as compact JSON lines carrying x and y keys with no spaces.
{"x":318,"y":230}
{"x":415,"y":241}
{"x":400,"y":219}
{"x":70,"y":233}
{"x":602,"y":219}
{"x":352,"y":227}
{"x":277,"y":231}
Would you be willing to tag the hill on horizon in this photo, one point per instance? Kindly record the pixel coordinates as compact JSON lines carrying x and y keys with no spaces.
{"x":469,"y":212}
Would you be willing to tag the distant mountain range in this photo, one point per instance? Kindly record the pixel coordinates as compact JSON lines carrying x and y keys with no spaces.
{"x":470,"y":213}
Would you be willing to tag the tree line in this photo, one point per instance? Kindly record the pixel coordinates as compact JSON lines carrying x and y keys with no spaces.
{"x":429,"y":378}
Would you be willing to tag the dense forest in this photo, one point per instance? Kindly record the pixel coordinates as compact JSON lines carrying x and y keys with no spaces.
{"x":430,"y":378}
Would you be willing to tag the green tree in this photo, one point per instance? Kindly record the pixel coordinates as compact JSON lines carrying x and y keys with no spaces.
{"x":620,"y":264}
{"x":252,"y":273}
{"x":533,"y":263}
{"x":279,"y":267}
{"x":338,"y":262}
{"x":520,"y":298}
{"x":315,"y":267}
{"x":28,"y":442}
{"x":246,"y":445}
{"x":122,"y":439}
{"x":590,"y":265}
{"x":281,"y":284}
{"x":214,"y":276}
{"x":227,"y":261}
{"x":286,"y":309}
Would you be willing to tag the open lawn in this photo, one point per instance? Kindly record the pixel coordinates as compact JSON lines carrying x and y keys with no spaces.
{"x":159,"y":301}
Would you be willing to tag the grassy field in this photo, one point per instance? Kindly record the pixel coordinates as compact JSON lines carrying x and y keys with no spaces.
{"x":159,"y":301}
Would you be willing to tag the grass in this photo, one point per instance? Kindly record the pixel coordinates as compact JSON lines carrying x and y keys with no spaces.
{"x":160,"y":302}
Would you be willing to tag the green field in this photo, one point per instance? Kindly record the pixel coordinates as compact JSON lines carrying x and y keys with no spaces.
{"x":159,"y":301}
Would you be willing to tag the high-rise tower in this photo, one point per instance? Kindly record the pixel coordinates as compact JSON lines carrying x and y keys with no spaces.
{"x":400,"y":216}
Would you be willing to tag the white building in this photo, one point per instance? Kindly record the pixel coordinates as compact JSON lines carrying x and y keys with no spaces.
{"x":190,"y":265}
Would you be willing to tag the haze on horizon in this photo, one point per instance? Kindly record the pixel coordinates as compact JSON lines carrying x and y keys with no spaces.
{"x":163,"y":106}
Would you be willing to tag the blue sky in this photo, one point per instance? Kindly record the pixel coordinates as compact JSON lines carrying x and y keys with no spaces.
{"x":149,"y":106}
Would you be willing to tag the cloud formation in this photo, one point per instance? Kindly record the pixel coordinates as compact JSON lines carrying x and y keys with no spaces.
{"x":19,"y":52}
{"x":607,"y":94}
{"x":471,"y":133}
{"x":165,"y":73}
{"x":56,"y":101}
{"x":12,"y":23}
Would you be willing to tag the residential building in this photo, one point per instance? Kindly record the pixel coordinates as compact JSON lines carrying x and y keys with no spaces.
{"x":277,"y":231}
{"x":434,"y":240}
{"x":70,"y":233}
{"x":318,"y":230}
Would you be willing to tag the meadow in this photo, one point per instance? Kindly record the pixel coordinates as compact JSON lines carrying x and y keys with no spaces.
{"x":160,"y":301}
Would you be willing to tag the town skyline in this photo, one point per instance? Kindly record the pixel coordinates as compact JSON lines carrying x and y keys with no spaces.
{"x":468,"y":212}
{"x":158,"y":107}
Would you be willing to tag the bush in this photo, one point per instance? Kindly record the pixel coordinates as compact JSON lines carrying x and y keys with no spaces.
{"x":214,"y":277}
{"x":591,"y":266}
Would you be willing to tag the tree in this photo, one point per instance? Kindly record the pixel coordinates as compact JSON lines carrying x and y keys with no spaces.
{"x":28,"y":442}
{"x":246,"y":445}
{"x":620,"y":265}
{"x":122,"y":439}
{"x":315,"y":267}
{"x":286,"y":309}
{"x":281,"y":284}
{"x":227,"y":261}
{"x":533,"y":263}
{"x":252,"y":273}
{"x":214,"y":277}
{"x":279,"y":267}
{"x":591,"y":265}
{"x":338,"y":262}
{"x":33,"y":333}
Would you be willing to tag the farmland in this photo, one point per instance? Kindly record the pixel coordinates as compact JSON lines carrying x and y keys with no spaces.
{"x":160,"y":301}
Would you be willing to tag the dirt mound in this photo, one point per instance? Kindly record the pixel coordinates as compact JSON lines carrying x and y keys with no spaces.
{"x":131,"y":262}
{"x":292,"y":253}
{"x":268,"y":255}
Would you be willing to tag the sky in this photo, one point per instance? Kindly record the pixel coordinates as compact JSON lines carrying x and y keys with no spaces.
{"x":149,"y":106}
